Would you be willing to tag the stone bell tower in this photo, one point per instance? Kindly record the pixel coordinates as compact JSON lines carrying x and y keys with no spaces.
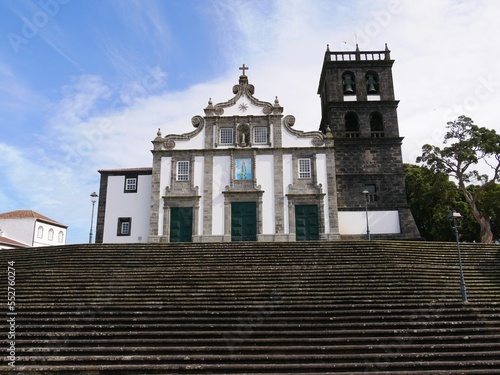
{"x":359,"y":107}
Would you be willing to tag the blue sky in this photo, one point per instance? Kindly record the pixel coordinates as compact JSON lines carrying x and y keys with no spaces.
{"x":85,"y":84}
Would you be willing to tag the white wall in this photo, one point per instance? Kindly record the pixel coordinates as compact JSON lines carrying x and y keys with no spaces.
{"x":20,"y":230}
{"x":26,"y":231}
{"x":290,"y":140}
{"x":195,"y":143}
{"x":221,"y":178}
{"x":45,"y":240}
{"x":134,"y":205}
{"x":322,"y":179}
{"x":380,"y":222}
{"x":265,"y":175}
{"x":252,"y":109}
{"x":199,"y":173}
{"x":287,"y":180}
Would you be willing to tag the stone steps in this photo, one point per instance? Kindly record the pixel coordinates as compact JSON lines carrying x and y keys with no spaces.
{"x":257,"y":308}
{"x":381,"y":365}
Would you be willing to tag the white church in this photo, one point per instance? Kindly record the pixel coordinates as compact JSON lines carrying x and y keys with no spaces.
{"x":246,"y":173}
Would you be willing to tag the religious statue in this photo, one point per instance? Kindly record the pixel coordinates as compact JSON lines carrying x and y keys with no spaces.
{"x":243,"y":134}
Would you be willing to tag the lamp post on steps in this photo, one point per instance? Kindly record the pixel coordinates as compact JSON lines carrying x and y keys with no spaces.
{"x":367,"y":196}
{"x":93,"y":199}
{"x":455,"y":216}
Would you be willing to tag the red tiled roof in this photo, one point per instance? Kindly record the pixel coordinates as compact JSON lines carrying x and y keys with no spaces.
{"x":14,"y":243}
{"x":28,"y":214}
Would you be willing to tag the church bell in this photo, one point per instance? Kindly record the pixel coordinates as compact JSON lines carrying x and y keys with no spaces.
{"x":348,"y":83}
{"x":371,"y":84}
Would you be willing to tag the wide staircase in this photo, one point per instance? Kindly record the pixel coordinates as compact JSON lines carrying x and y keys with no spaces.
{"x":379,"y":307}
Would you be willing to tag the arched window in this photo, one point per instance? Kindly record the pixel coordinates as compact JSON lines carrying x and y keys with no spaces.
{"x":60,"y":236}
{"x":376,"y":125}
{"x":39,"y":233}
{"x":349,"y":83}
{"x":372,"y":83}
{"x":351,"y":125}
{"x":51,"y":234}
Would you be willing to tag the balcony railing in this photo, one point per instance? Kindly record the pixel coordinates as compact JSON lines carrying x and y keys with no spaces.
{"x":352,"y":134}
{"x":358,"y":55}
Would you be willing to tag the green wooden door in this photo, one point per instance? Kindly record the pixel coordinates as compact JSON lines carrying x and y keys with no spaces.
{"x":306,"y":223}
{"x":243,"y":221}
{"x":181,"y":224}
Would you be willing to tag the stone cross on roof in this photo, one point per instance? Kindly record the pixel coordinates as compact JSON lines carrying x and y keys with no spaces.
{"x":243,"y":68}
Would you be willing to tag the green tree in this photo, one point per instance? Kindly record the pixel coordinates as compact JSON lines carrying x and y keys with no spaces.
{"x":432,"y":196}
{"x":489,"y":203}
{"x":468,"y":147}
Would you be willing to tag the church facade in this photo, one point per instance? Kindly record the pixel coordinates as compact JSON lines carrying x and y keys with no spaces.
{"x":246,"y":173}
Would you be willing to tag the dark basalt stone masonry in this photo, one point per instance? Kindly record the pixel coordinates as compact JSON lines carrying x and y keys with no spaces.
{"x":359,"y":107}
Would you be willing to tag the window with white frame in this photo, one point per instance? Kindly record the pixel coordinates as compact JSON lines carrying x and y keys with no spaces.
{"x":60,"y":237}
{"x":260,"y":135}
{"x":51,"y":234}
{"x":124,"y":226}
{"x":182,"y":170}
{"x":40,"y":232}
{"x":226,"y":136}
{"x":131,"y":184}
{"x":304,"y":168}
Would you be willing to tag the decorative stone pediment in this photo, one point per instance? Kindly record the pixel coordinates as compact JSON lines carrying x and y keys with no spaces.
{"x":317,"y":138}
{"x":243,"y":103}
{"x":168,"y":142}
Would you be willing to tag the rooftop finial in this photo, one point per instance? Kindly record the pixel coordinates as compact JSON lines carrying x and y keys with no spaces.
{"x":328,"y":134}
{"x":327,"y":48}
{"x":243,"y":68}
{"x":387,"y":53}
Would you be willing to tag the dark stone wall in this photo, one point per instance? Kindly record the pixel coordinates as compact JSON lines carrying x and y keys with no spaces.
{"x":337,"y":111}
{"x":371,"y":162}
{"x":365,"y":157}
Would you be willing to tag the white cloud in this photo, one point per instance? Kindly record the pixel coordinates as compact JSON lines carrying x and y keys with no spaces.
{"x":443,"y":55}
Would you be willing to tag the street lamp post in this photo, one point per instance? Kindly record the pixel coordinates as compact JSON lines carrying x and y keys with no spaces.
{"x":454,"y":216}
{"x":367,"y":194}
{"x":93,"y":199}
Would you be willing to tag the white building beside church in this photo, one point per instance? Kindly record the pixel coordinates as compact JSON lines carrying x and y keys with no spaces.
{"x":27,"y":228}
{"x":245,"y":173}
